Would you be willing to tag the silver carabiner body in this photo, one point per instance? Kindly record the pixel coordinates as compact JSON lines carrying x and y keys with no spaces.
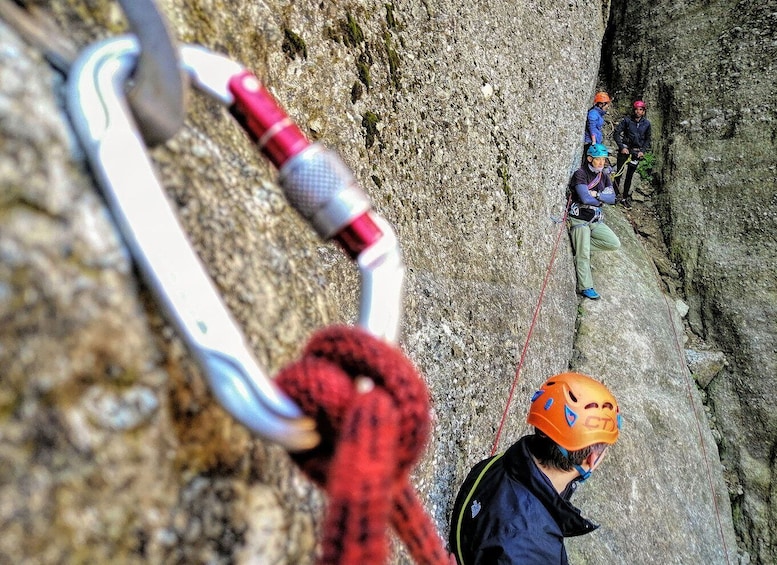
{"x":118,"y":158}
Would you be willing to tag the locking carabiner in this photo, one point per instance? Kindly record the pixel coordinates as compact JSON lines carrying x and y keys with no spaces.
{"x":316,"y":182}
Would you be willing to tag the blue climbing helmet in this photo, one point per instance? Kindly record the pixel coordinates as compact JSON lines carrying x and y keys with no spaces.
{"x":597,"y":150}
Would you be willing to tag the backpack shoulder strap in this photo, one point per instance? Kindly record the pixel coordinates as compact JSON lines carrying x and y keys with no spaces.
{"x":460,"y":517}
{"x":595,"y":181}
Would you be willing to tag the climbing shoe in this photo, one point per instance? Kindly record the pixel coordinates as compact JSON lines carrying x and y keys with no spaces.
{"x":590,"y":293}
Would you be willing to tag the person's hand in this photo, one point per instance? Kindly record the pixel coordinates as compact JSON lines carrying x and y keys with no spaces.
{"x":640,"y":155}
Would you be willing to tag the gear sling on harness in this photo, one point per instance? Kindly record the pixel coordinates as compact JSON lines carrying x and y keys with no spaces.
{"x":365,"y":442}
{"x":585,"y":212}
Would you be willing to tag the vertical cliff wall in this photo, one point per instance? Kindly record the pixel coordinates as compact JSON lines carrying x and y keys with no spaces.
{"x":463,"y":123}
{"x":114,"y":448}
{"x":707,"y":70}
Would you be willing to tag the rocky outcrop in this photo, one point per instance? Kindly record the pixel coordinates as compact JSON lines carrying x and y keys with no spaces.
{"x":703,"y":67}
{"x":634,"y":337}
{"x":462,"y":124}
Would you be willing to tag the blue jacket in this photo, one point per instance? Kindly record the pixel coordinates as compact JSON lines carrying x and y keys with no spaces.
{"x":514,"y":516}
{"x":593,"y":125}
{"x":633,"y":134}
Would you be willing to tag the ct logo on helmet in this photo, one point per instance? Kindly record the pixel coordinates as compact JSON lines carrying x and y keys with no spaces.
{"x":606,"y":424}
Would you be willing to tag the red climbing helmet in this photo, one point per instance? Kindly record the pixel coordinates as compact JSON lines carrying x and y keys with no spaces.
{"x":601,"y":97}
{"x":575,"y":411}
{"x":639,"y":104}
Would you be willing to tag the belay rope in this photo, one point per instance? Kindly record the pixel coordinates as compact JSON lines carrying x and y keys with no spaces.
{"x":620,"y":171}
{"x":562,"y":225}
{"x":371,"y":438}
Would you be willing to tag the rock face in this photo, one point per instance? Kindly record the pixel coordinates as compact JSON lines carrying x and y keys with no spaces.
{"x":463,"y":123}
{"x":703,"y":68}
{"x":633,"y":337}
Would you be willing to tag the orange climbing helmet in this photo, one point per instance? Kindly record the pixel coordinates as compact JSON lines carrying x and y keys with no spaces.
{"x":575,"y":411}
{"x":601,"y":97}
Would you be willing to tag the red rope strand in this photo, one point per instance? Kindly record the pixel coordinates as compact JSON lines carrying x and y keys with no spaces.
{"x":370,"y":442}
{"x":562,"y":224}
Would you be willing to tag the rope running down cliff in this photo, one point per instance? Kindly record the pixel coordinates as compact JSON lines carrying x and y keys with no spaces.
{"x":561,"y":229}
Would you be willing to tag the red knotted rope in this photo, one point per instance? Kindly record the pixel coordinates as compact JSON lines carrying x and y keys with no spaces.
{"x":370,"y":442}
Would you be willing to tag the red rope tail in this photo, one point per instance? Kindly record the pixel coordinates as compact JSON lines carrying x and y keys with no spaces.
{"x":416,"y":530}
{"x":360,"y":479}
{"x":562,"y":224}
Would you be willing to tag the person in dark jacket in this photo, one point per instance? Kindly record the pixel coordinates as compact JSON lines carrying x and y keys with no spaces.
{"x":633,"y":138}
{"x":514,"y":508}
{"x":591,"y":188}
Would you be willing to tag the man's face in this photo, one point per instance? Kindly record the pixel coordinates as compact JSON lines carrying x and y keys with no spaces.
{"x":639,"y":112}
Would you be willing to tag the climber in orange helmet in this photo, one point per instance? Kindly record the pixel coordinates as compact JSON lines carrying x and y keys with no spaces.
{"x":514,"y":508}
{"x":594,"y":121}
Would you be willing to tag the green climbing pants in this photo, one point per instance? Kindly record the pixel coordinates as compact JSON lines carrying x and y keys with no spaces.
{"x":586,"y":236}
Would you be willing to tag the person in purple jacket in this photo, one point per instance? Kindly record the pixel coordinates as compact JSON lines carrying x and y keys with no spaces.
{"x":591,"y":188}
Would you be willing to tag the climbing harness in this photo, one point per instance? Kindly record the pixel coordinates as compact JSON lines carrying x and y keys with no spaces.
{"x":575,"y":207}
{"x":598,"y":216}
